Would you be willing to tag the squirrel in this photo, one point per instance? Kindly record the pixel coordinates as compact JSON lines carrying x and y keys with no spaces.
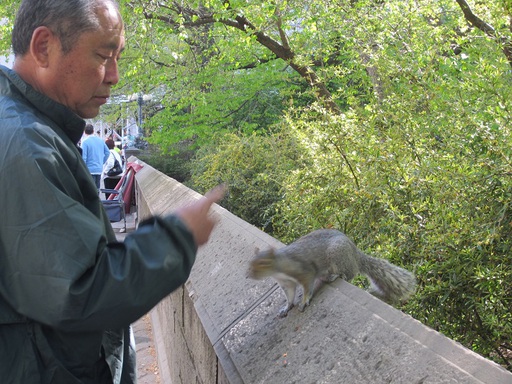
{"x":323,"y":256}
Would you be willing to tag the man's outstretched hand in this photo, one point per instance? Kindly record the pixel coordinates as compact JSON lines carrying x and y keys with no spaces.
{"x":196,"y":217}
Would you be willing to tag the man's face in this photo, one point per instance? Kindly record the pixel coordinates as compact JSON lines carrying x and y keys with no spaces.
{"x":82,"y":78}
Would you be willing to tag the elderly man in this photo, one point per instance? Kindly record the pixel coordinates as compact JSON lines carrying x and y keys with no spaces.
{"x":68,"y":290}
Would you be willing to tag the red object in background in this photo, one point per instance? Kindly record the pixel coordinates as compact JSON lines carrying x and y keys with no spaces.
{"x":129,"y":192}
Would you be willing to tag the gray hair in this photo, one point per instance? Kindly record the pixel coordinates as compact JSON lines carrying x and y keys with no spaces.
{"x":68,"y":19}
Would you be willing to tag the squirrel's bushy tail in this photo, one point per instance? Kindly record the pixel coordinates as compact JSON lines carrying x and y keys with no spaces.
{"x":388,"y":282}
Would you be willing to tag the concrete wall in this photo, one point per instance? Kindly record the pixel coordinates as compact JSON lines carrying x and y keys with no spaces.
{"x":222,"y":327}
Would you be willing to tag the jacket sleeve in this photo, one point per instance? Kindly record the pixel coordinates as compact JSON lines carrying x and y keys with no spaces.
{"x":57,"y":266}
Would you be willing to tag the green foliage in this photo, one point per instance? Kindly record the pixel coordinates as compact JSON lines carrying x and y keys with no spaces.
{"x":242,"y":101}
{"x":7,"y":13}
{"x":176,"y":166}
{"x":252,"y":167}
{"x":422,"y":177}
{"x":437,"y":207}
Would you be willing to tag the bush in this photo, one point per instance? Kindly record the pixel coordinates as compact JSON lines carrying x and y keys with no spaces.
{"x":439,"y":207}
{"x":252,"y":167}
{"x":175,"y":165}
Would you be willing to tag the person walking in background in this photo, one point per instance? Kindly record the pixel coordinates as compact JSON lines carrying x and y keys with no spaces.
{"x":110,"y":175}
{"x":95,"y":153}
{"x":68,"y":289}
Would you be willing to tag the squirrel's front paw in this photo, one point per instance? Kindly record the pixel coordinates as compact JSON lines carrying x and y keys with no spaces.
{"x":305,"y":302}
{"x":283,"y":312}
{"x":303,"y":306}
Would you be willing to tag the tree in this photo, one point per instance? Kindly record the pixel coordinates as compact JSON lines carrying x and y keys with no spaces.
{"x":276,"y":20}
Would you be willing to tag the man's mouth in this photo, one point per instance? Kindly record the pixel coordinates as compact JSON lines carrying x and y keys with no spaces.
{"x":102,"y":99}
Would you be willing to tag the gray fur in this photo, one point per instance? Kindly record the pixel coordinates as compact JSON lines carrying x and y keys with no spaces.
{"x":322,"y":256}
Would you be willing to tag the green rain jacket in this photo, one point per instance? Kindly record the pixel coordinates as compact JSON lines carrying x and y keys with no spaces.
{"x":68,"y":289}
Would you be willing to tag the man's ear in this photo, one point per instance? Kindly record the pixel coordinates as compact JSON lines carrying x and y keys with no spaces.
{"x":41,"y":45}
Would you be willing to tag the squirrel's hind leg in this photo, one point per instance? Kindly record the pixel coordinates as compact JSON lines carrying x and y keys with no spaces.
{"x":310,"y":287}
{"x":289,"y":288}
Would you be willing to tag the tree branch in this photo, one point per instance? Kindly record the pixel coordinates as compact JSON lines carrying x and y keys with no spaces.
{"x":196,"y":18}
{"x":486,"y":28}
{"x":344,"y":156}
{"x":286,"y":54}
{"x":282,"y":34}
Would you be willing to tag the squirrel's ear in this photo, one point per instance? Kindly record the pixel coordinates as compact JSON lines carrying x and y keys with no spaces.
{"x":256,"y":250}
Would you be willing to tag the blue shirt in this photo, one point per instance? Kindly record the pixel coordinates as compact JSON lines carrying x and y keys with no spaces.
{"x":94,"y":152}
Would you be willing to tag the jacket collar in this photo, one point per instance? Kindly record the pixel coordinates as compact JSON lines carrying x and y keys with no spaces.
{"x":71,"y":124}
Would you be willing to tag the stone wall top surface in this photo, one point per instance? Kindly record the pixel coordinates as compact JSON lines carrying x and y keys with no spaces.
{"x":345,"y":336}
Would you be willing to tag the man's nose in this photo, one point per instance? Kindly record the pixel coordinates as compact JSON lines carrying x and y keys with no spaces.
{"x":112,"y":73}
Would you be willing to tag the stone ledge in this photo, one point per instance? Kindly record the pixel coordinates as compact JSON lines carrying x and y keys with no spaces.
{"x":345,"y":336}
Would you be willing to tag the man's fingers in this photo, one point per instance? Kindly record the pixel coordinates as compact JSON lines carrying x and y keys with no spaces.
{"x":216,"y":194}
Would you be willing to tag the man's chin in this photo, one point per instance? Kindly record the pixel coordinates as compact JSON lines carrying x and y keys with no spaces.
{"x":88,"y":113}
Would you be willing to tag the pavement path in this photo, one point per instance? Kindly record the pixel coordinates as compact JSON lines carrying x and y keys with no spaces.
{"x":147,"y":366}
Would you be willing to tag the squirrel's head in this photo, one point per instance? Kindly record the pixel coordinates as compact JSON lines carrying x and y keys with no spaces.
{"x":262,"y":265}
